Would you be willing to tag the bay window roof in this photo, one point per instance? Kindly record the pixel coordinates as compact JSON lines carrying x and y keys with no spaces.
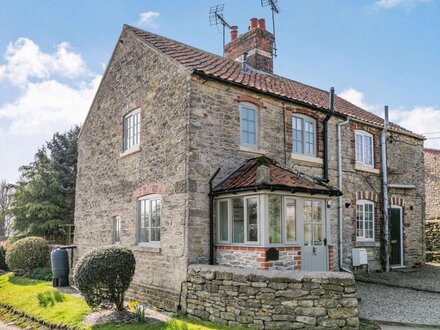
{"x":263,"y":173}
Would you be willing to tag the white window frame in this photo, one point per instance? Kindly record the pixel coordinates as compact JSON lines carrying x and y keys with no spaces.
{"x":304,"y":119}
{"x":149,"y":198}
{"x":364,"y":202}
{"x":229,"y":220}
{"x":363,"y":134}
{"x":250,"y":106}
{"x":284,"y":219}
{"x":132,"y":133}
{"x":259,"y":227}
{"x":117,"y":224}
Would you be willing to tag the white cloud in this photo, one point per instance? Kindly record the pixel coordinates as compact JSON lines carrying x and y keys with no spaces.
{"x":48,"y":106}
{"x":24,"y":60}
{"x":54,"y":92}
{"x":390,"y":4}
{"x":148,"y":19}
{"x":356,"y":97}
{"x":419,"y":119}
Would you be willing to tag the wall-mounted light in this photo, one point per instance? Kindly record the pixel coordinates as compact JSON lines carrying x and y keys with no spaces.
{"x":329,"y":204}
{"x":347,"y":205}
{"x":411,"y":207}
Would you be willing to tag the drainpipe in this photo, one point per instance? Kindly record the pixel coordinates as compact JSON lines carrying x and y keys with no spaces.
{"x":383,"y":141}
{"x":211,"y":219}
{"x":325,"y":122}
{"x":340,"y":215}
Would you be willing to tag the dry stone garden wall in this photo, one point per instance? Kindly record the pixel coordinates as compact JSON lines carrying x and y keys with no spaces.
{"x":271,"y":299}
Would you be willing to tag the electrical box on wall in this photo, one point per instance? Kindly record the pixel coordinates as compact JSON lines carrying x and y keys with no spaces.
{"x":360,"y":257}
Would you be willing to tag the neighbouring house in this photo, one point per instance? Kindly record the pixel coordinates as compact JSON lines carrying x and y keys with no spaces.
{"x":432,"y":190}
{"x":189,"y":157}
{"x":432,"y":183}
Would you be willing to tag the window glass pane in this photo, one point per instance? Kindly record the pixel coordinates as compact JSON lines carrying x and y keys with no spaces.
{"x":117,"y":229}
{"x":368,"y":154}
{"x":238,"y":221}
{"x":248,"y":122}
{"x":360,"y":220}
{"x":275,"y":219}
{"x":290,"y":220}
{"x":223,"y":221}
{"x":252,"y":219}
{"x":297,"y":124}
{"x":307,"y":211}
{"x":317,"y":234}
{"x":316,"y":211}
{"x":308,"y":234}
{"x":155,"y":220}
{"x":359,"y":148}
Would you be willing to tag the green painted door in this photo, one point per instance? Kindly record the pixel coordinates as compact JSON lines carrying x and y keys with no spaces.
{"x":395,"y":215}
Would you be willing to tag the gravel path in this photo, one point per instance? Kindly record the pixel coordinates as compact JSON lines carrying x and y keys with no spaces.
{"x":425,"y":278}
{"x":379,"y":302}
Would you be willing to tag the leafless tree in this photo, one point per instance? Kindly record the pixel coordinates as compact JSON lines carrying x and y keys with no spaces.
{"x":6,"y":193}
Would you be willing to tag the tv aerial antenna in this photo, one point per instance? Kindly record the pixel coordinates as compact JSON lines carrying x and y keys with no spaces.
{"x":216,"y":17}
{"x":274,"y":7}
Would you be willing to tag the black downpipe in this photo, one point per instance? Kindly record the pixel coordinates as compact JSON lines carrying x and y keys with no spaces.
{"x":325,"y":122}
{"x":211,"y":219}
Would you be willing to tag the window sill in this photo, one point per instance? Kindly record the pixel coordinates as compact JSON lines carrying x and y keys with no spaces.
{"x":252,"y":150}
{"x":130,"y":151}
{"x":366,"y":168}
{"x":308,"y":159}
{"x":153,"y":248}
{"x":366,"y":244}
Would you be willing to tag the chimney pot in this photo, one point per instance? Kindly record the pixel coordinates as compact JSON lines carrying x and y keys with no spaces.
{"x":254,"y":23}
{"x":262,"y":23}
{"x":234,"y":32}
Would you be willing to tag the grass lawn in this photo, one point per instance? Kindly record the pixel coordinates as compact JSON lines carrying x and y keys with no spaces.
{"x":20,"y":295}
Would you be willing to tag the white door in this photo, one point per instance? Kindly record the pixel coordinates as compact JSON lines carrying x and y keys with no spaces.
{"x":314,"y":256}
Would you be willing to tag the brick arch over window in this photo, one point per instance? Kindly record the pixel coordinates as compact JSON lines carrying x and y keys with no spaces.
{"x":367,"y":195}
{"x":397,"y":200}
{"x":251,"y":99}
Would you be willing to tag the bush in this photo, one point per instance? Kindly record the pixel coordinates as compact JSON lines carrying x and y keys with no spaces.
{"x":27,"y":254}
{"x":104,"y":274}
{"x":3,"y":258}
{"x":50,"y":297}
{"x":40,"y":273}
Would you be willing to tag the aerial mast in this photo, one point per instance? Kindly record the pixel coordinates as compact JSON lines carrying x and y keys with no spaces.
{"x":216,"y":17}
{"x":275,"y":10}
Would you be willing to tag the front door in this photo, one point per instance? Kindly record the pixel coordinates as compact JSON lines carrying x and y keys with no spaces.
{"x":395,"y":215}
{"x":314,"y":250}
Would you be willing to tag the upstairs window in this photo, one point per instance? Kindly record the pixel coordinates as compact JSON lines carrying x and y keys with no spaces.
{"x":364,"y":220}
{"x":304,"y":135}
{"x":149,"y":216}
{"x":364,"y":148}
{"x":249,"y":125}
{"x":132,"y":124}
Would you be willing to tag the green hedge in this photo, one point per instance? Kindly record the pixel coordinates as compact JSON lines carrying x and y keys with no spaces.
{"x":104,"y":274}
{"x":27,"y":254}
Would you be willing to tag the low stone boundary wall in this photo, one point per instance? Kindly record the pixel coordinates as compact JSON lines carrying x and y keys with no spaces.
{"x":432,"y":230}
{"x":270,"y":299}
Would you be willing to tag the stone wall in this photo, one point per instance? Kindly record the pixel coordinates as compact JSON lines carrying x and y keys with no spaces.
{"x":109,"y":183}
{"x":432,"y":183}
{"x":271,"y":299}
{"x":433,"y":241}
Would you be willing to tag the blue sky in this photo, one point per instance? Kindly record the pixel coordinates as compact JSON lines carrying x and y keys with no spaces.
{"x":374,"y":52}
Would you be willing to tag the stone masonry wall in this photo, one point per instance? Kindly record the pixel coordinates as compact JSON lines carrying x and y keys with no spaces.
{"x":271,"y":299}
{"x":433,"y":241}
{"x":108,"y":183}
{"x":215,"y":142}
{"x":432,"y":183}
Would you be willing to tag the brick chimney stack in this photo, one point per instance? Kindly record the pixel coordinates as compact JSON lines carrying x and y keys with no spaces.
{"x":257,"y":42}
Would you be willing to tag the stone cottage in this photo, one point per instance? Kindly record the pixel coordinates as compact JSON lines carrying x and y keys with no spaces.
{"x":189,"y":157}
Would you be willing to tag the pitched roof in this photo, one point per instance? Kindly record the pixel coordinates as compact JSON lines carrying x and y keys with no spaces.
{"x":435,"y":152}
{"x":219,"y":67}
{"x":264,"y":173}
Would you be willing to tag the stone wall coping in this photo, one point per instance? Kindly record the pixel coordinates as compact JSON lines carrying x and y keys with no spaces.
{"x":269,"y":274}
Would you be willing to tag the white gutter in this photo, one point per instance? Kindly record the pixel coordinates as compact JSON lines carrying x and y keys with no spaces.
{"x":340,"y":252}
{"x":383,"y":141}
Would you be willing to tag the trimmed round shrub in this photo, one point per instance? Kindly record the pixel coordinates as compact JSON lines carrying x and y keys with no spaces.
{"x":104,"y":274}
{"x":27,"y":254}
